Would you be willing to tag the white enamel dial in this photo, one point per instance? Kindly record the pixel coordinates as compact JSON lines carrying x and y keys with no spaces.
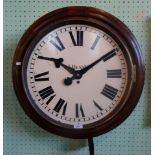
{"x":76,"y":74}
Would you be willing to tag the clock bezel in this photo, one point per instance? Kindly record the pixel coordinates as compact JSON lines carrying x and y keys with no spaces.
{"x":93,"y":17}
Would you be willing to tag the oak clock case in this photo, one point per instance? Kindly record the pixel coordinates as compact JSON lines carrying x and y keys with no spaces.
{"x":78,"y":72}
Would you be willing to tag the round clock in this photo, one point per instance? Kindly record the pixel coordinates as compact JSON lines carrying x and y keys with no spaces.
{"x":78,"y":72}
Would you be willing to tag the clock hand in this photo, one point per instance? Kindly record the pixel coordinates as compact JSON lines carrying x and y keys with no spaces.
{"x":104,"y":58}
{"x":58,"y":63}
{"x":69,"y":69}
{"x":79,"y":73}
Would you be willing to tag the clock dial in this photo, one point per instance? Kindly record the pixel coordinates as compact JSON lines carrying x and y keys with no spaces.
{"x":76,"y":74}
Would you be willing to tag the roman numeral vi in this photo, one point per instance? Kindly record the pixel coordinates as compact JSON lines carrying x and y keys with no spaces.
{"x":79,"y":110}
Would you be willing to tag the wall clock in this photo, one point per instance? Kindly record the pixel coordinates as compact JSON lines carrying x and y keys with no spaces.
{"x":78,"y":72}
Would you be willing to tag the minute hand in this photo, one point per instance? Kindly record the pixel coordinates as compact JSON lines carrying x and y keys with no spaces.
{"x":104,"y":58}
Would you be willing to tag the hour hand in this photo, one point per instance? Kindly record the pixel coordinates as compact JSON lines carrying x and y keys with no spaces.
{"x":58,"y":63}
{"x":69,"y":69}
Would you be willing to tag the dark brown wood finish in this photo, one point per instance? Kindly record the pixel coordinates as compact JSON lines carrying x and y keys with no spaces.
{"x":88,"y":16}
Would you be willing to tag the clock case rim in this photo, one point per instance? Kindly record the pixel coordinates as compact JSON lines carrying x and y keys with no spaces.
{"x":74,"y":15}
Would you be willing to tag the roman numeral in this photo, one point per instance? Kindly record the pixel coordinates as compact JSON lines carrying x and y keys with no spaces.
{"x":97,"y":106}
{"x":79,"y":110}
{"x":109,"y":92}
{"x":109,"y":55}
{"x":40,"y":77}
{"x":61,"y":105}
{"x":50,"y":99}
{"x":59,"y":44}
{"x":46,"y":92}
{"x":116,"y":73}
{"x":79,"y":38}
{"x":95,"y":42}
